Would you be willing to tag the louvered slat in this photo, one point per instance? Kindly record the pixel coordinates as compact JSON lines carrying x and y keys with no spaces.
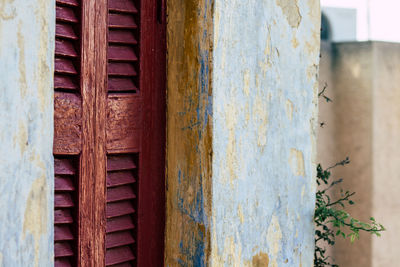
{"x":125,"y":264}
{"x":63,"y":167}
{"x":65,"y":48}
{"x":66,"y":14}
{"x":116,"y":209}
{"x":119,"y":239}
{"x":122,"y":6}
{"x":63,"y":216}
{"x":68,"y":2}
{"x":121,"y":69}
{"x":121,"y":199}
{"x":63,"y":201}
{"x":64,"y":82}
{"x":64,"y":66}
{"x":119,"y":255}
{"x":62,"y":262}
{"x":121,"y":84}
{"x":121,"y":21}
{"x":63,"y":249}
{"x":123,"y":46}
{"x":65,"y":31}
{"x":65,"y":171}
{"x":62,"y":232}
{"x":120,"y":193}
{"x":121,"y":37}
{"x":63,"y":184}
{"x":119,"y":163}
{"x":120,"y":178}
{"x":120,"y":224}
{"x":67,"y":43}
{"x":121,"y":53}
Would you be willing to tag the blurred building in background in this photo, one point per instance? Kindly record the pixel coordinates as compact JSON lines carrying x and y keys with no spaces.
{"x":360,"y":63}
{"x":372,"y":19}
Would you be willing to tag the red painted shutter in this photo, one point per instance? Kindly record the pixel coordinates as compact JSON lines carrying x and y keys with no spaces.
{"x":67,"y":138}
{"x":109,"y":133}
{"x":121,"y":209}
{"x":65,"y":209}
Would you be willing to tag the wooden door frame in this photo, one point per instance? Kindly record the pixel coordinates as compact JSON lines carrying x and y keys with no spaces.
{"x":151,"y":223}
{"x":151,"y":211}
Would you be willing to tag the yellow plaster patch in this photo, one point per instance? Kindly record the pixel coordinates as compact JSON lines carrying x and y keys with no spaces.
{"x":247,"y":112}
{"x":289,"y":109}
{"x":43,"y":69}
{"x":274,"y":238}
{"x":7,"y":11}
{"x":260,"y":114}
{"x":260,"y":260}
{"x":315,"y":12}
{"x":267,"y":50}
{"x":21,"y":61}
{"x":246,"y":82}
{"x":266,"y":62}
{"x":231,"y":114}
{"x":35,"y":217}
{"x":291,"y":11}
{"x":295,"y":42}
{"x":296,"y":161}
{"x":21,"y":138}
{"x":240,"y":214}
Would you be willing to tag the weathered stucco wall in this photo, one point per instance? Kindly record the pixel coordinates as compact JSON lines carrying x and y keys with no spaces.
{"x":242,"y":86}
{"x":26,"y":136}
{"x":265,"y":66}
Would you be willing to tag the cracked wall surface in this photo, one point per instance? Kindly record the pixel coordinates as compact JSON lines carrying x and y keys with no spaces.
{"x":26,"y":136}
{"x":242,"y":108}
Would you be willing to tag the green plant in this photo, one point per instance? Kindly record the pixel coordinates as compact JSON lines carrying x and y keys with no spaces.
{"x":331,"y":218}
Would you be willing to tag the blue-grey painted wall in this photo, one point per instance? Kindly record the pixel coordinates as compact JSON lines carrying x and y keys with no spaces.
{"x":242,"y":108}
{"x":265,"y":65}
{"x":26,"y":132}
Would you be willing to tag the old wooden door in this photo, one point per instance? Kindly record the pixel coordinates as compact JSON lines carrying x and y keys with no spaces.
{"x":109,"y":112}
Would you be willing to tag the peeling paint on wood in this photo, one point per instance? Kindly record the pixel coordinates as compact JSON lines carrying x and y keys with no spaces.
{"x":188,"y":185}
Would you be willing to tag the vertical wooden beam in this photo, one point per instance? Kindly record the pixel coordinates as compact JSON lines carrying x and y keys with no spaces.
{"x":92,"y":192}
{"x":100,"y":157}
{"x":86,"y":181}
{"x":151,"y":213}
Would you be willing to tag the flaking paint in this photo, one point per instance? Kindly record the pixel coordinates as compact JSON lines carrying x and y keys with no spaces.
{"x":291,"y":11}
{"x":189,"y":129}
{"x":240,"y":132}
{"x":26,"y":136}
{"x":261,"y":78}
